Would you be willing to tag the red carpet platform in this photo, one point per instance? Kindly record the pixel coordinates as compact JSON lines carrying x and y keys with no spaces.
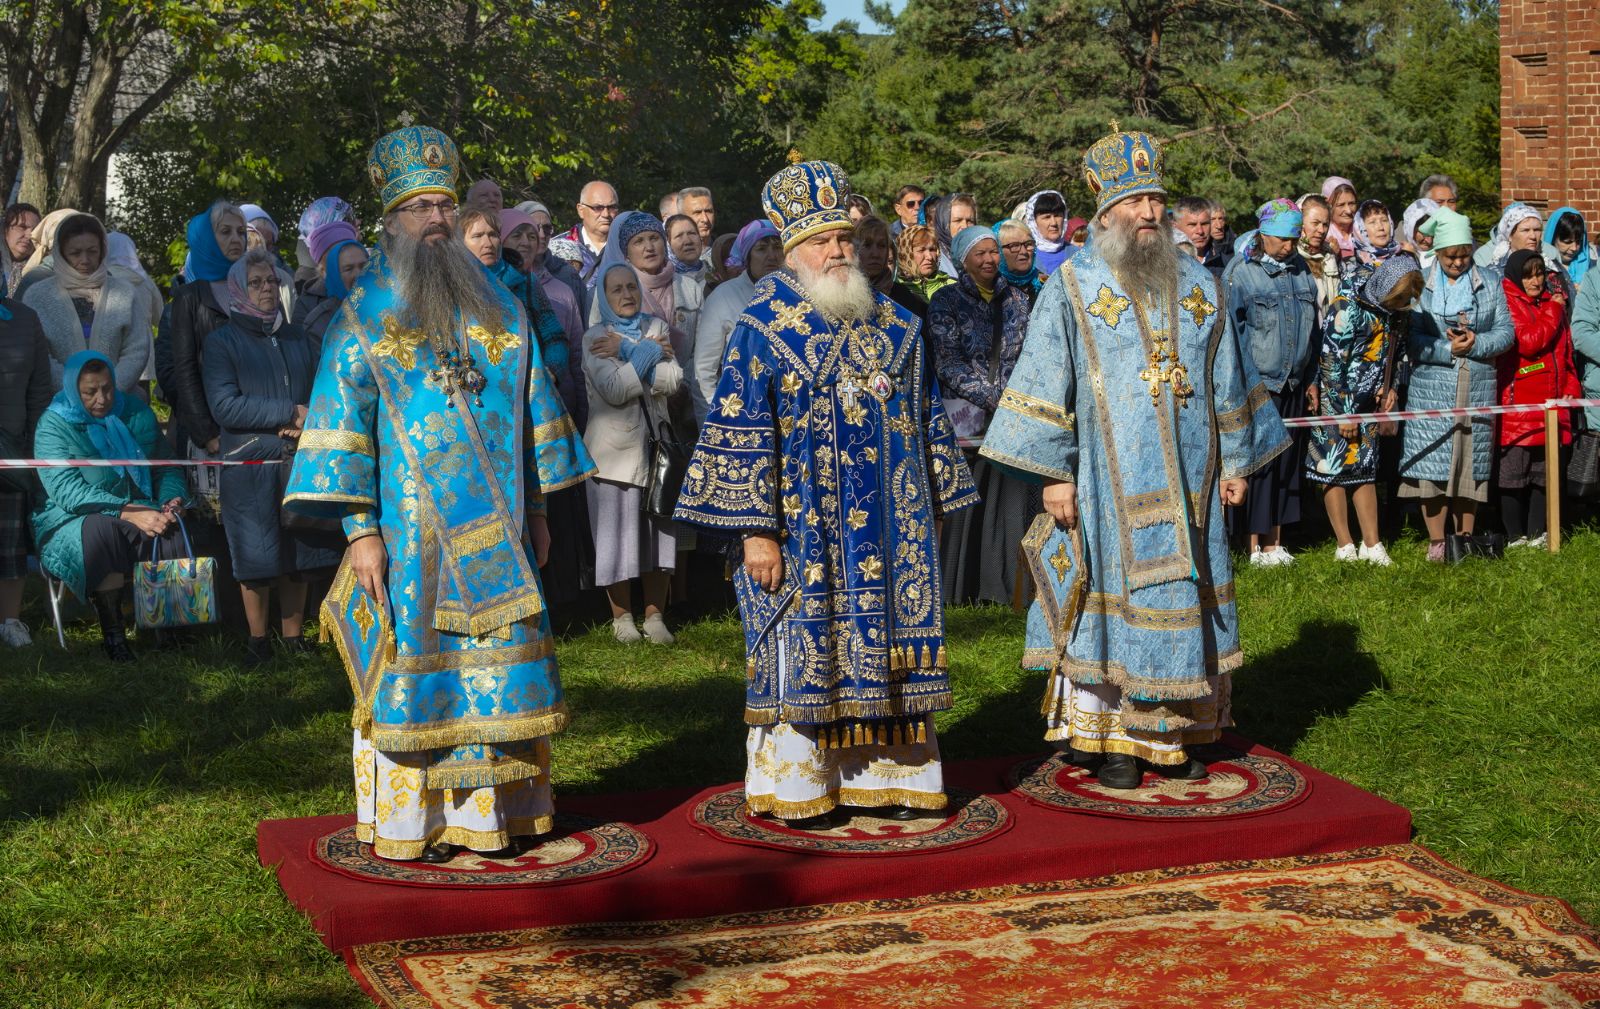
{"x":692,"y":874}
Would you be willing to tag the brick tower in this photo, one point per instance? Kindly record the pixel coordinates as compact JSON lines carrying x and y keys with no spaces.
{"x":1550,"y":105}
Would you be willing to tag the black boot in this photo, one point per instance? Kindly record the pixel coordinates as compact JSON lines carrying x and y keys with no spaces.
{"x":1192,"y":769}
{"x":257,"y":651}
{"x":108,"y":607}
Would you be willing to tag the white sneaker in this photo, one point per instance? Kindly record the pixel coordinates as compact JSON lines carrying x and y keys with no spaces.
{"x":1520,"y":541}
{"x":15,"y":634}
{"x":1540,"y":542}
{"x":624,"y":629}
{"x":1348,"y":552}
{"x":1279,"y":557}
{"x":1259,"y":559}
{"x":1376,"y":554}
{"x":655,"y":629}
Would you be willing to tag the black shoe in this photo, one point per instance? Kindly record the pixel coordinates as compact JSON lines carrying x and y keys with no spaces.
{"x":298,"y":645}
{"x":1081,"y":758}
{"x":1120,"y":771}
{"x":437,"y":854}
{"x":510,"y":851}
{"x":822,"y":821}
{"x":524,"y":843}
{"x":901,"y":813}
{"x":257,"y":651}
{"x":1190,"y":770}
{"x":108,"y":607}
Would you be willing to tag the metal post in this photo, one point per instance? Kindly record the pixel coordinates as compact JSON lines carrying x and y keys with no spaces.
{"x":1552,"y":478}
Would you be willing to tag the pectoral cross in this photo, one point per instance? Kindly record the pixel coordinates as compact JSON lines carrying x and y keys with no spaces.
{"x":849,"y":389}
{"x":1165,"y":368}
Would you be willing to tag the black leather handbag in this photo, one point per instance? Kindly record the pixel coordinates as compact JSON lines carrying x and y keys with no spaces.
{"x":669,"y":462}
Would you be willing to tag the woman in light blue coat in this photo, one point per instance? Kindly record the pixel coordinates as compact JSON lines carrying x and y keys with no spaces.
{"x":1459,"y":326}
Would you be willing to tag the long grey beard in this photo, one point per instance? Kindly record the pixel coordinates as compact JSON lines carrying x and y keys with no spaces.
{"x":847,"y":300}
{"x":1148,"y":269}
{"x":438,"y":280}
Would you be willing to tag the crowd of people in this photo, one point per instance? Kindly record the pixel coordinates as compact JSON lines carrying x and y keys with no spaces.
{"x":1342,"y":306}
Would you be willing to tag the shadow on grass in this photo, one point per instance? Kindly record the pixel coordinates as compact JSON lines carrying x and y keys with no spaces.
{"x":1323,"y":673}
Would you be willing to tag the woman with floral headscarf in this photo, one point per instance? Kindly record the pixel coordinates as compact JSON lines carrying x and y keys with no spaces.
{"x":322,"y":210}
{"x":1374,"y":232}
{"x":258,"y":374}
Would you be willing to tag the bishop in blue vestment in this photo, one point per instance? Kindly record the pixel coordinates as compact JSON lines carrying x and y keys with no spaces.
{"x":433,"y":435}
{"x":1133,"y":404}
{"x":826,"y":448}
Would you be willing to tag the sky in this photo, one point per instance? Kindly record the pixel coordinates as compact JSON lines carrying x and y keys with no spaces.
{"x":840,"y":10}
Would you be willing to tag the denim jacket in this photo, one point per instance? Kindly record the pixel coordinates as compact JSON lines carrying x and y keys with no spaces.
{"x":1274,"y":310}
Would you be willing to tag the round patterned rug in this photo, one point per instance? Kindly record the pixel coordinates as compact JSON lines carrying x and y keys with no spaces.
{"x":1240,"y":784}
{"x":580,"y":848}
{"x":969,"y":819}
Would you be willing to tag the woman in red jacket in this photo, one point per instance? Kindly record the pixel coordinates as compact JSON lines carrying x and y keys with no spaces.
{"x":1543,"y":368}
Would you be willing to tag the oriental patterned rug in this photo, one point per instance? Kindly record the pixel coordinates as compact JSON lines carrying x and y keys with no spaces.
{"x":1377,"y":928}
{"x":1240,"y":784}
{"x":969,"y":819}
{"x":580,"y":848}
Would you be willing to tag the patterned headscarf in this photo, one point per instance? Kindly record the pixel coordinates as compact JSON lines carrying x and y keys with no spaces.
{"x":749,"y":235}
{"x":1500,"y":248}
{"x":1280,"y":218}
{"x":1363,"y":240}
{"x":1031,"y":212}
{"x":1386,"y":276}
{"x":239,"y":293}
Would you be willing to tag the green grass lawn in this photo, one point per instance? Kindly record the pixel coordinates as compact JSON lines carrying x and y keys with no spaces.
{"x":129,"y":795}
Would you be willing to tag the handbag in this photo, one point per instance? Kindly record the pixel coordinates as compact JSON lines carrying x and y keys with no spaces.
{"x":176,"y":592}
{"x":1583,"y":472}
{"x":668,"y":464}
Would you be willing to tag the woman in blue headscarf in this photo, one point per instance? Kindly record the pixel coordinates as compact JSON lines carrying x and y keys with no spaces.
{"x":94,"y":523}
{"x":1566,"y":244}
{"x":1018,"y":264}
{"x":216,"y":239}
{"x":632,"y":374}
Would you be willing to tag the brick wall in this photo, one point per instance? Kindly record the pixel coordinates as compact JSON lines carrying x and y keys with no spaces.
{"x":1550,"y":104}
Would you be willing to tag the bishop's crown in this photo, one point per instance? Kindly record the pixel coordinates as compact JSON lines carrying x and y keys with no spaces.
{"x":413,"y":161}
{"x":805,"y":199}
{"x":1121,"y":165}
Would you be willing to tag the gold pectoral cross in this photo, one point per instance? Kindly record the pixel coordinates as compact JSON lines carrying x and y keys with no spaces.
{"x":1165,"y":369}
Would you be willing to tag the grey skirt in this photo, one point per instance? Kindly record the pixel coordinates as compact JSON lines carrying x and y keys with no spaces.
{"x":627,"y":542}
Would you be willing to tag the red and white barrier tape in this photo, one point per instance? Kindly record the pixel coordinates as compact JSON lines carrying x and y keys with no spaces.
{"x":1332,"y":420}
{"x":91,"y":463}
{"x":1454,"y":411}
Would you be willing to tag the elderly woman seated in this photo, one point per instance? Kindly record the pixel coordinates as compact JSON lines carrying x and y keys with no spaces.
{"x":95,"y":522}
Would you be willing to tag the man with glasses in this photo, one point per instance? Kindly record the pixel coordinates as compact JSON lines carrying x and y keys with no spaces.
{"x":598,"y":206}
{"x":907,"y":204}
{"x":435,"y":435}
{"x":1441,"y":189}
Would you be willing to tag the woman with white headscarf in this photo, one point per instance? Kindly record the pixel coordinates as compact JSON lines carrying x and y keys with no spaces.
{"x":84,"y":306}
{"x":1521,"y":227}
{"x":1045,"y":215}
{"x":1419,"y":244}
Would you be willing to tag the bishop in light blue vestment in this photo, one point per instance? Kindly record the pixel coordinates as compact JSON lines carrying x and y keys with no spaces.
{"x":1142,"y":399}
{"x":443,"y":444}
{"x":828,"y":434}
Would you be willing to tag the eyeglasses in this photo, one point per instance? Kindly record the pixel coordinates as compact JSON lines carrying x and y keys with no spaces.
{"x":544,"y":230}
{"x":262,"y":283}
{"x":423,"y":211}
{"x":912,"y":204}
{"x":1015,"y":247}
{"x":603,"y":208}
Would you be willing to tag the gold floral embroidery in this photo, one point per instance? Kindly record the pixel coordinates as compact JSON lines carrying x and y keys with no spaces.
{"x":399,"y":343}
{"x":494,"y":344}
{"x":814,"y":573}
{"x":1108,"y":306}
{"x":856,"y":519}
{"x":1197,"y":304}
{"x":871,"y":568}
{"x":731,"y":405}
